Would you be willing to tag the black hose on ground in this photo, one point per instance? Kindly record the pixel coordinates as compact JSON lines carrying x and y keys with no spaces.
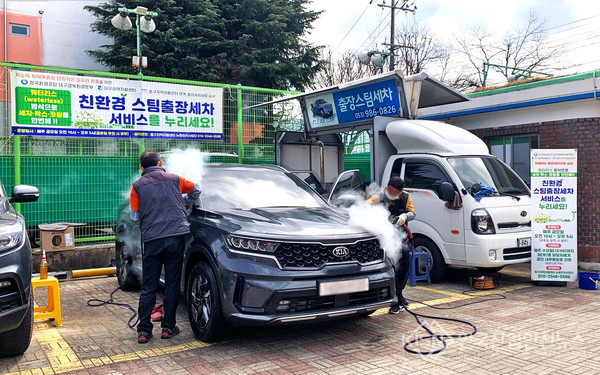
{"x":95,"y":302}
{"x":432,"y":334}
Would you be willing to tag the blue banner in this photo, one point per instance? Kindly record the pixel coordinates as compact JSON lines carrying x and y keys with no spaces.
{"x":366,"y":102}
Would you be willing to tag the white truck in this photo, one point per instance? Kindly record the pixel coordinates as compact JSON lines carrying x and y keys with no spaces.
{"x":443,"y":166}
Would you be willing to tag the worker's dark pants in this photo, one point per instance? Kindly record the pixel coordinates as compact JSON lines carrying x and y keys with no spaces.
{"x":168,"y":252}
{"x":401,"y":271}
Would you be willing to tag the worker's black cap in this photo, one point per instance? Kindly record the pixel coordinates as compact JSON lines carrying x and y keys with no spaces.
{"x":396,"y":182}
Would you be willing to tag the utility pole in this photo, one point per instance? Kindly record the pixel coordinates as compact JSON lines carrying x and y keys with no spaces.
{"x":406,"y":7}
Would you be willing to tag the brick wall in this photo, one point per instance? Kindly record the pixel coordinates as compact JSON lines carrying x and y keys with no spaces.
{"x":584,"y":135}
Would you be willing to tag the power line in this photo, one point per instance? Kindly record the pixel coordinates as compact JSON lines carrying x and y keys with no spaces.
{"x":572,"y":22}
{"x":373,"y":32}
{"x":344,"y":38}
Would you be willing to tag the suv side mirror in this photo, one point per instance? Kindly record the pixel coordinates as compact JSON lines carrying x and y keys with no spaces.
{"x":24,"y":193}
{"x":447,"y":192}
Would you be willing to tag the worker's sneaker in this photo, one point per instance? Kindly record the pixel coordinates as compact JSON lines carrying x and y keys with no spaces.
{"x":144,"y":337}
{"x":168,"y":333}
{"x":157,"y":313}
{"x":396,"y":308}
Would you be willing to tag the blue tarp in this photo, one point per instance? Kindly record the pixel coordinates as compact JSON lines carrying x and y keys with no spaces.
{"x":485,"y":190}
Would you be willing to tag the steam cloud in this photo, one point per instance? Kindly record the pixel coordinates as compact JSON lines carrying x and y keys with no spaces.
{"x":374,"y":219}
{"x":188,"y":164}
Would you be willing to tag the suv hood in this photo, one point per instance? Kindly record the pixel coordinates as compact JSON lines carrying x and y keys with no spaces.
{"x":295,"y":222}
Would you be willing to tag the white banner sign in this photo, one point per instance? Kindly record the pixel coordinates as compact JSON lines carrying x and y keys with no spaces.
{"x":554,"y":208}
{"x":45,"y":104}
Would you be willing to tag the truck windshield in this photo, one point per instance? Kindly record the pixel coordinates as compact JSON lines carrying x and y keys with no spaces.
{"x":490,"y":172}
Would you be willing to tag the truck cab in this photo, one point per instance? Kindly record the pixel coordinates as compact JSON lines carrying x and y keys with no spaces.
{"x":472,"y":209}
{"x":464,"y":227}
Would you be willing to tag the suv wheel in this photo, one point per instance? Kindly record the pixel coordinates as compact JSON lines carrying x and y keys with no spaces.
{"x":437,"y":266}
{"x":126,"y":275}
{"x":17,"y":341}
{"x":204,"y":303}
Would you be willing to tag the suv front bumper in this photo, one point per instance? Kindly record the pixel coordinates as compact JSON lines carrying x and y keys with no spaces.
{"x":15,"y":285}
{"x":259,"y":294}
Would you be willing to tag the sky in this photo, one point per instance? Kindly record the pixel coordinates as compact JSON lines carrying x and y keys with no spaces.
{"x":357,"y":25}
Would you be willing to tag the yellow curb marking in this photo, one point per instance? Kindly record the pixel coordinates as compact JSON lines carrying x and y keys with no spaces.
{"x":63,"y":359}
{"x":60,"y":355}
{"x":517,"y":272}
{"x":456,"y":296}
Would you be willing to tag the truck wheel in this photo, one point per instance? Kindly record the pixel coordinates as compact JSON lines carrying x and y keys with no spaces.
{"x":17,"y":341}
{"x":204,"y":304}
{"x":126,"y":274}
{"x":437,"y":266}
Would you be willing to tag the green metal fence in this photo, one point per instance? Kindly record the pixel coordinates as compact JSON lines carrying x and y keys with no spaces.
{"x":83,"y":180}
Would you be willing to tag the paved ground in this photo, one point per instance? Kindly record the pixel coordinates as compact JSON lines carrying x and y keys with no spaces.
{"x":533,"y":330}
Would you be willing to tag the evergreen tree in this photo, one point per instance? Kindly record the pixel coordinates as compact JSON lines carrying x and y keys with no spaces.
{"x":252,"y":42}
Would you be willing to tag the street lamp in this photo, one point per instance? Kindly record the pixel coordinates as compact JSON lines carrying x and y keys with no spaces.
{"x":143,"y":22}
{"x":374,"y":57}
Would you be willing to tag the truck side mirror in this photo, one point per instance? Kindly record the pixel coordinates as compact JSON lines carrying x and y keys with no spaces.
{"x":447,"y":192}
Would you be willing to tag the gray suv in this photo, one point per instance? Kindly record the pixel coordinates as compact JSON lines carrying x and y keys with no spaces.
{"x":266,"y":249}
{"x":16,"y":302}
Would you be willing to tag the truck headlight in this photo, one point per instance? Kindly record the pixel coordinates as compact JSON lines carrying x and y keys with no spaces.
{"x":240,"y":243}
{"x":11,"y":235}
{"x":481,"y":222}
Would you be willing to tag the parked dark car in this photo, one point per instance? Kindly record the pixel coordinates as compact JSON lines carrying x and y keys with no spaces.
{"x":16,"y":302}
{"x":265,"y":249}
{"x":321,"y":108}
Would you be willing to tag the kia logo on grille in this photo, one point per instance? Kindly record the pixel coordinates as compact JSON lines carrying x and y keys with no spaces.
{"x":523,"y":213}
{"x":341,"y":251}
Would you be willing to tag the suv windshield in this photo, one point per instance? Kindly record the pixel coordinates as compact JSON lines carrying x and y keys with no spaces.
{"x":490,"y":172}
{"x":228,"y":188}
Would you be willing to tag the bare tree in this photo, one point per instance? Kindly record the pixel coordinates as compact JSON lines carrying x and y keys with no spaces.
{"x":418,"y":47}
{"x":525,"y":47}
{"x":477,"y":45}
{"x":346,"y":68}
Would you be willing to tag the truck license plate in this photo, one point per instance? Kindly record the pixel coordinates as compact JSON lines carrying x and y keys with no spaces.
{"x":331,"y":288}
{"x":524,"y":242}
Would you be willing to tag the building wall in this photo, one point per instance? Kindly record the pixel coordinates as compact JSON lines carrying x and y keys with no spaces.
{"x":582,"y":134}
{"x":64,"y":30}
{"x":22,"y":49}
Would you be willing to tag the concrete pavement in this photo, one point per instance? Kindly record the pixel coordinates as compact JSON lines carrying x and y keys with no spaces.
{"x":522,"y":329}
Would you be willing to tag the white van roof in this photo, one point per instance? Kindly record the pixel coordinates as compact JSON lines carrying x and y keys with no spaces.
{"x":422,"y":136}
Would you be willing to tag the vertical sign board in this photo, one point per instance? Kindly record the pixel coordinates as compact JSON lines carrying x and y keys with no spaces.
{"x":46,"y":104}
{"x":554,"y":208}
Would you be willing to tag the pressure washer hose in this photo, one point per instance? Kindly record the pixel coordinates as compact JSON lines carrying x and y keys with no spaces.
{"x":95,"y":302}
{"x":431,"y":335}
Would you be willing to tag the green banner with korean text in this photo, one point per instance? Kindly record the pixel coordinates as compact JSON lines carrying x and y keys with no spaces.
{"x":46,"y":104}
{"x":554,"y":208}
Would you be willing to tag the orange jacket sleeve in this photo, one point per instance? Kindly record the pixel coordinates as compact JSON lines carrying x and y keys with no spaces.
{"x":134,"y":201}
{"x":185,"y":186}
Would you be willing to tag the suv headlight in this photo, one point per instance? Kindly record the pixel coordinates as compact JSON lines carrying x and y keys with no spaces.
{"x":11,"y":235}
{"x":481,"y":222}
{"x":245,"y":244}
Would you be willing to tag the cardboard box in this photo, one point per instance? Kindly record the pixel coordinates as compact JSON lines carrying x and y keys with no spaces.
{"x":54,"y":240}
